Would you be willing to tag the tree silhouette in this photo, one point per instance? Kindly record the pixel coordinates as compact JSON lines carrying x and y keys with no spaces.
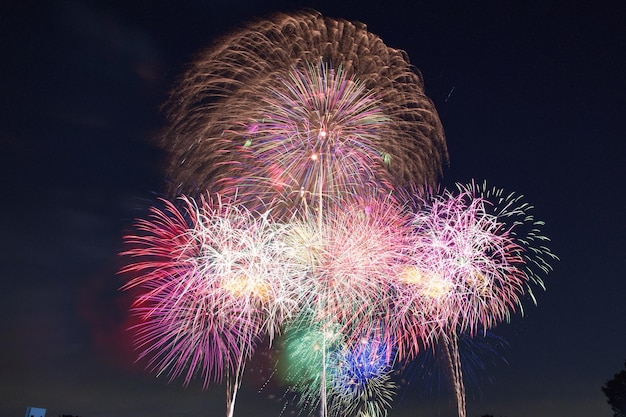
{"x":615,"y":391}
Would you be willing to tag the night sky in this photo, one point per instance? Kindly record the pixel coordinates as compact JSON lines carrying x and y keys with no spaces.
{"x":532,"y":95}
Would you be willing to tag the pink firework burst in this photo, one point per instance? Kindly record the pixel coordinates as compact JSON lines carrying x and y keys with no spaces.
{"x":212,"y":280}
{"x":352,"y":254}
{"x":466,"y":269}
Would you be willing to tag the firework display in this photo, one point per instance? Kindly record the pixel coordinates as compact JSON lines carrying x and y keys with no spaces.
{"x":293,"y":141}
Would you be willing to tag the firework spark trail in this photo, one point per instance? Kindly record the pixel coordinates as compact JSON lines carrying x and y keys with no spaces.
{"x":253,"y":75}
{"x":213,"y":281}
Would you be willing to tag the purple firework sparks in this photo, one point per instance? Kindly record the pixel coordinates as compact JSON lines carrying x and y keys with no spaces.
{"x":468,"y":270}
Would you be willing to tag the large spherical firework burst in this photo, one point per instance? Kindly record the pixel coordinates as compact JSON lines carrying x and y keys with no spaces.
{"x":212,"y":280}
{"x":308,"y":90}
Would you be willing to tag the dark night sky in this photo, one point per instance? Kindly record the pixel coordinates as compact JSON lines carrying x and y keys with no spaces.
{"x":531,"y":94}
